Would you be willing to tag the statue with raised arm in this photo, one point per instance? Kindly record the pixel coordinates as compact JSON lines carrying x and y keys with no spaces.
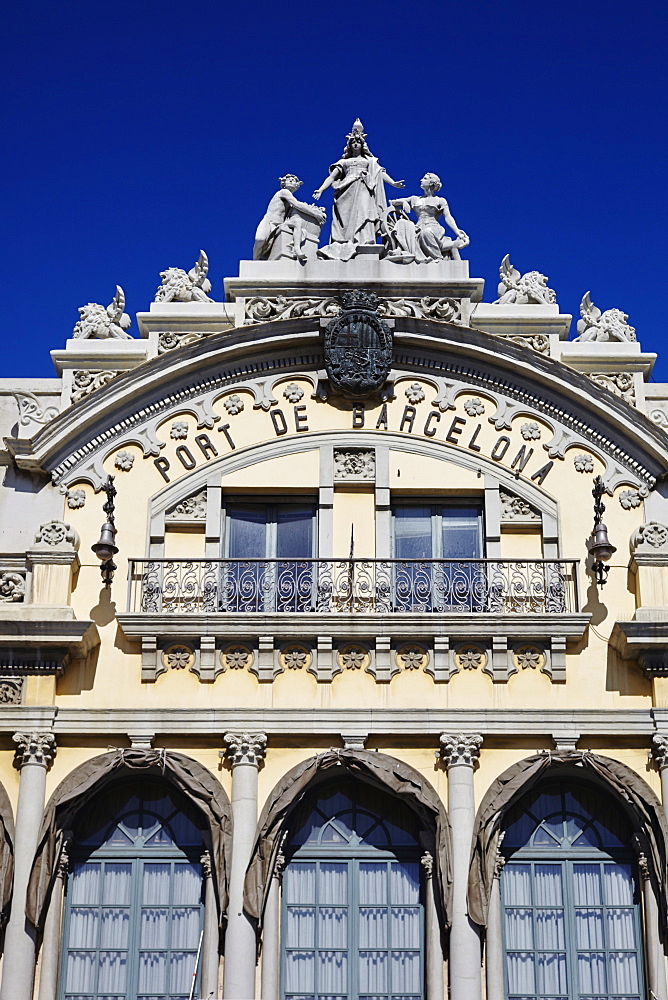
{"x":426,"y":240}
{"x":290,"y":228}
{"x":359,"y":197}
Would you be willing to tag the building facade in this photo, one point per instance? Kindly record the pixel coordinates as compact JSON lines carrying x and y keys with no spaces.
{"x":369,"y":700}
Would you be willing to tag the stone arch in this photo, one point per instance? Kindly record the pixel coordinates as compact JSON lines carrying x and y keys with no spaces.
{"x":626,"y":787}
{"x":386,"y":773}
{"x":190,"y":777}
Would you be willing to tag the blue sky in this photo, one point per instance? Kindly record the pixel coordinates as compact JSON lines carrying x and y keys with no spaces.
{"x":139,"y":132}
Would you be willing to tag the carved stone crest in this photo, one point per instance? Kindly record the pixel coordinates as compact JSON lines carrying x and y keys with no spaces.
{"x":358,"y":346}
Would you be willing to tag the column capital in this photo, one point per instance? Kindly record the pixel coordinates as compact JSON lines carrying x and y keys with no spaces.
{"x":459,"y":749}
{"x":659,"y":751}
{"x":34,"y":748}
{"x":245,"y":748}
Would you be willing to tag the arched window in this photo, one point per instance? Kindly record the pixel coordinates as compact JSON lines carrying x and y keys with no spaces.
{"x":570,"y":895}
{"x":133,"y":904}
{"x":352,"y":901}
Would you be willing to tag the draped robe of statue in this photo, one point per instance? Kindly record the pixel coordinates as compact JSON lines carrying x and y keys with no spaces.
{"x":359,"y":205}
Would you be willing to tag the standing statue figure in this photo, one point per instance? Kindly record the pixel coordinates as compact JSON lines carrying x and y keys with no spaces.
{"x":290,"y":228}
{"x":359,"y":197}
{"x":426,"y":240}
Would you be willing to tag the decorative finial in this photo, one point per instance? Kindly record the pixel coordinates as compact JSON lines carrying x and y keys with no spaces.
{"x":357,"y":130}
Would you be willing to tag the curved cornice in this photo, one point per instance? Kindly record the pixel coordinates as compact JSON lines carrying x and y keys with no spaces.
{"x":265,"y":351}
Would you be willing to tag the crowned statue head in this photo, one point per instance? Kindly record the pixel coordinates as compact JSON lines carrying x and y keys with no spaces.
{"x":356,"y":141}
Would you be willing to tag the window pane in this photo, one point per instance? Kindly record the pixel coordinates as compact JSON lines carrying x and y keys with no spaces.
{"x":624,"y":973}
{"x":405,"y":971}
{"x":373,"y":966}
{"x":519,"y":929}
{"x":333,"y":883}
{"x":551,"y":974}
{"x":591,"y":972}
{"x":152,"y":969}
{"x":517,"y":885}
{"x":294,"y":532}
{"x":112,"y":972}
{"x":589,"y":928}
{"x":461,"y":532}
{"x":116,"y":883}
{"x":332,"y":927}
{"x":114,"y":928}
{"x":187,"y":884}
{"x":405,"y":927}
{"x":156,"y":883}
{"x":83,"y":926}
{"x":587,"y":885}
{"x":299,"y":972}
{"x":299,"y":882}
{"x":247,"y":532}
{"x":84,"y":885}
{"x":405,"y":882}
{"x":618,"y":882}
{"x":373,"y":927}
{"x":332,"y":972}
{"x":373,"y":882}
{"x":547,"y":885}
{"x":80,"y":975}
{"x":520,"y":973}
{"x":412,"y":533}
{"x":300,"y":927}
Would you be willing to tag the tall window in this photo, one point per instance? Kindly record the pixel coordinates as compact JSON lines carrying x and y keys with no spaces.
{"x":133,"y":905}
{"x":352,"y":925}
{"x":283,"y":533}
{"x":429,"y":533}
{"x":570,"y":896}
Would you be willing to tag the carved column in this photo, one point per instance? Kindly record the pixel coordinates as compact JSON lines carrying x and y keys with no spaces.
{"x":460,"y":754}
{"x":660,"y":755}
{"x":432,"y":933}
{"x":654,"y":931}
{"x":50,"y":952}
{"x":271,"y":935}
{"x":494,"y":959}
{"x":210,"y":938}
{"x":34,"y":753}
{"x":245,"y":751}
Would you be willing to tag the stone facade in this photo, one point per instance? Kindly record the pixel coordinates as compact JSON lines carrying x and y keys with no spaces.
{"x":332,"y":578}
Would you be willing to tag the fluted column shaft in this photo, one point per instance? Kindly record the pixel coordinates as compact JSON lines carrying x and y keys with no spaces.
{"x":34,"y":753}
{"x":245,"y":751}
{"x":460,"y":754}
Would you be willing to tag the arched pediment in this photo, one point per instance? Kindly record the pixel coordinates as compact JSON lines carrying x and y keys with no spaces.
{"x":451,"y":362}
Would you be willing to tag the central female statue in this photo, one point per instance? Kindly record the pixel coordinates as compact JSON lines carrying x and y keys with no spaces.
{"x":359,"y":197}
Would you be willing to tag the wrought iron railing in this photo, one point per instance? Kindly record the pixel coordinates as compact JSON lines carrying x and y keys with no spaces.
{"x":502,"y":586}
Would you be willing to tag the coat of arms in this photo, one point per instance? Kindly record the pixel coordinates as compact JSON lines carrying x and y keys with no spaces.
{"x":358,"y":346}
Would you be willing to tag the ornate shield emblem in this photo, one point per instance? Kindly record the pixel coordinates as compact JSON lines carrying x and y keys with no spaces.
{"x":358,"y":346}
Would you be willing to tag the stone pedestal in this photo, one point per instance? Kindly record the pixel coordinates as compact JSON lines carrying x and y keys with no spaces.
{"x":245,"y":751}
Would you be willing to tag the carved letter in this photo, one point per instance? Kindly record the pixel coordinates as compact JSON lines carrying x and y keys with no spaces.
{"x":162,"y":464}
{"x":456,"y":427}
{"x":382,"y":418}
{"x":408,"y":418}
{"x":301,"y":418}
{"x":226,"y":431}
{"x":521,"y":458}
{"x":358,"y":416}
{"x":429,"y":431}
{"x":502,"y":443}
{"x":279,"y":422}
{"x":206,"y":445}
{"x":472,"y":443}
{"x":186,"y":457}
{"x":539,"y":476}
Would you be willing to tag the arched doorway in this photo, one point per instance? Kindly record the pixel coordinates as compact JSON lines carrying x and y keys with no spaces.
{"x":570,"y":896}
{"x":133,"y":905}
{"x":352,"y":901}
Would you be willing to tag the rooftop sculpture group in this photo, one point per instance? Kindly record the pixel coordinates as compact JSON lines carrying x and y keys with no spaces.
{"x":361,"y":216}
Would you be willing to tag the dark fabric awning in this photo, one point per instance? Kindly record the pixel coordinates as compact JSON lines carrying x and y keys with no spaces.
{"x":645,"y":812}
{"x":6,"y":854}
{"x":191,"y":778}
{"x":378,"y":769}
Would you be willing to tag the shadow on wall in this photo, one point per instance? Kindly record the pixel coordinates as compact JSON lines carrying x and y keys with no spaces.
{"x":79,"y":675}
{"x":625,"y":676}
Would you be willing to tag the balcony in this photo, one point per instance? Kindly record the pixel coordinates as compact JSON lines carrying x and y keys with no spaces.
{"x":353,"y":586}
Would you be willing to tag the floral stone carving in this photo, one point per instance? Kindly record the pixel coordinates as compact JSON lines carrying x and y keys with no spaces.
{"x":245,"y":748}
{"x":470,"y":657}
{"x":233,"y":404}
{"x":354,"y":463}
{"x":474,"y":407}
{"x":460,"y":749}
{"x":75,"y":499}
{"x":85,"y":382}
{"x":124,"y":461}
{"x":179,"y":286}
{"x":595,"y":326}
{"x":295,"y":657}
{"x":618,"y":383}
{"x":514,"y":508}
{"x":529,"y":657}
{"x":415,"y":393}
{"x":523,"y":289}
{"x":236,"y":657}
{"x":293,"y":393}
{"x":31,"y":409}
{"x":633,"y":498}
{"x":412,"y":657}
{"x":57,"y":533}
{"x":11,"y":690}
{"x":653,"y":533}
{"x":353,"y":657}
{"x":178,"y":657}
{"x":34,"y":748}
{"x":191,"y":509}
{"x":530,"y":432}
{"x":583,"y":463}
{"x":168,"y":341}
{"x":179,"y":430}
{"x":99,"y":323}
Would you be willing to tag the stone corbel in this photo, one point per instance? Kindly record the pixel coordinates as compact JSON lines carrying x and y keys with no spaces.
{"x":151,"y":664}
{"x":266,"y":664}
{"x":441,"y":664}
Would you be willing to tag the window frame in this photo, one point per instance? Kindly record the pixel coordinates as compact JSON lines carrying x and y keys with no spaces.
{"x":437,"y":505}
{"x":271,"y":506}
